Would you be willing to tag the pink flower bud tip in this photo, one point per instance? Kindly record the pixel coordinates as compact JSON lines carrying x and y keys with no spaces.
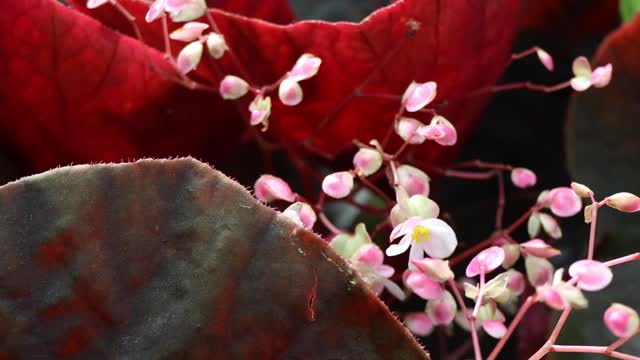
{"x":302,"y":214}
{"x":564,"y":202}
{"x":338,"y":185}
{"x":260,"y":109}
{"x":624,"y":201}
{"x":485,"y":261}
{"x":92,"y":4}
{"x":216,"y":45}
{"x":539,"y":248}
{"x":185,"y":10}
{"x":545,"y":59}
{"x":442,"y":311}
{"x":423,"y":286}
{"x":189,"y":32}
{"x":233,"y":87}
{"x":523,"y":178}
{"x":419,"y":95}
{"x":552,"y":297}
{"x":621,"y":320}
{"x":155,"y":11}
{"x":269,"y":188}
{"x":592,"y":275}
{"x":290,"y":92}
{"x":367,"y":161}
{"x":436,"y":269}
{"x":413,"y":180}
{"x":495,"y":328}
{"x":440,"y":130}
{"x":419,"y":323}
{"x":189,"y":57}
{"x":407,"y":129}
{"x":306,"y":67}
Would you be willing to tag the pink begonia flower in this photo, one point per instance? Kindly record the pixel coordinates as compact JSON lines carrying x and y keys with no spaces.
{"x":423,"y":286}
{"x":550,"y":225}
{"x":338,"y":185}
{"x":624,"y":201}
{"x":621,"y":320}
{"x":584,"y":78}
{"x":347,"y":244}
{"x":268,"y":188}
{"x":414,"y":206}
{"x":305,"y":67}
{"x":539,"y":270}
{"x":559,"y":294}
{"x":367,"y":161}
{"x":440,"y":130}
{"x":436,"y":269}
{"x":419,"y":323}
{"x":539,"y":248}
{"x":563,"y":201}
{"x":485,"y":261}
{"x":92,"y":4}
{"x":592,"y":275}
{"x":189,"y":57}
{"x":581,"y":190}
{"x":407,"y":129}
{"x":185,"y":10}
{"x":233,"y":87}
{"x":216,"y":45}
{"x":189,"y":32}
{"x":260,"y":109}
{"x":413,"y":180}
{"x":511,"y":255}
{"x":419,"y":95}
{"x":442,"y":311}
{"x":523,"y":178}
{"x":433,"y":236}
{"x":290,"y":92}
{"x":545,"y":59}
{"x":367,"y":260}
{"x":302,"y":214}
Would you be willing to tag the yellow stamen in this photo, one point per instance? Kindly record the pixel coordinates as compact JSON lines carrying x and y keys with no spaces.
{"x":420,"y":233}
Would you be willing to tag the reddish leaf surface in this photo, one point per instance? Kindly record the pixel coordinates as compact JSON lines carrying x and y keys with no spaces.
{"x":171,"y":259}
{"x":77,"y":92}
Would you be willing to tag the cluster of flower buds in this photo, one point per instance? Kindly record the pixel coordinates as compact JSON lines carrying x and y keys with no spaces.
{"x":192,"y":33}
{"x":271,"y":188}
{"x":562,"y":202}
{"x":584,"y":77}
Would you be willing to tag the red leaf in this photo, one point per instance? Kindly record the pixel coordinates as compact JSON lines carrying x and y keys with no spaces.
{"x":463,"y":45}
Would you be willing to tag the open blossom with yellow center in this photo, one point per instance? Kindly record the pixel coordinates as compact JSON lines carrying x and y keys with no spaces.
{"x":431,"y":236}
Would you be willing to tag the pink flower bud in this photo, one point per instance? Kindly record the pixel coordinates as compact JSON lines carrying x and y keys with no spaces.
{"x":423,"y":286}
{"x":545,"y":59}
{"x":592,"y":275}
{"x":436,"y":269}
{"x":189,"y":32}
{"x":442,"y":311}
{"x":367,"y":161}
{"x":539,"y":270}
{"x":268,"y":188}
{"x":582,"y":74}
{"x":523,"y":178}
{"x":581,"y":190}
{"x":369,"y":254}
{"x":290,"y":92}
{"x":260,"y":109}
{"x":185,"y":10}
{"x":338,"y":185}
{"x":419,"y":95}
{"x":564,"y":202}
{"x":306,"y":67}
{"x":407,"y":129}
{"x":511,"y":254}
{"x":92,"y":4}
{"x":533,"y":224}
{"x":302,"y":214}
{"x":621,"y":320}
{"x":347,"y":244}
{"x":155,"y":11}
{"x":624,"y":201}
{"x":216,"y":45}
{"x":495,"y":328}
{"x":485,"y":261}
{"x":419,"y":323}
{"x":550,"y":225}
{"x":539,"y":248}
{"x":233,"y":87}
{"x":552,"y":297}
{"x":189,"y":57}
{"x":413,"y":180}
{"x":516,"y":282}
{"x":601,"y":76}
{"x":440,"y":130}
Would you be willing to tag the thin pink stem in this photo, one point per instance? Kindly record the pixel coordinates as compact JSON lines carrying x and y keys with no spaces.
{"x":593,"y":350}
{"x":514,"y":324}
{"x":559,"y":325}
{"x":523,"y":54}
{"x":592,"y":231}
{"x":469,"y":317}
{"x":616,"y":344}
{"x":624,"y":259}
{"x":469,"y":175}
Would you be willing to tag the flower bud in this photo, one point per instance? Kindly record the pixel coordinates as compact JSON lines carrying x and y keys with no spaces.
{"x":592,"y":275}
{"x":407,"y":129}
{"x":601,"y":76}
{"x":368,"y":254}
{"x":185,"y":10}
{"x":260,"y":109}
{"x":624,"y":201}
{"x":552,"y":297}
{"x":621,"y":320}
{"x":347,"y":244}
{"x":338,"y":185}
{"x":413,"y":180}
{"x":564,"y":202}
{"x":216,"y":45}
{"x":550,"y":225}
{"x":302,"y":214}
{"x":588,"y":213}
{"x":442,"y":311}
{"x":306,"y":67}
{"x":581,"y":190}
{"x":415,"y":206}
{"x":367,"y":161}
{"x":233,"y":87}
{"x":511,"y":255}
{"x":268,"y":188}
{"x":495,"y":328}
{"x":582,"y":74}
{"x":155,"y":11}
{"x":419,"y":95}
{"x":533,"y":225}
{"x":539,"y":248}
{"x":440,"y":130}
{"x":539,"y":270}
{"x":419,"y":323}
{"x":485,"y":261}
{"x":516,"y":282}
{"x":189,"y":57}
{"x":189,"y":32}
{"x":92,"y":4}
{"x":423,"y":286}
{"x":436,"y":269}
{"x":545,"y":59}
{"x":290,"y":92}
{"x":523,"y":178}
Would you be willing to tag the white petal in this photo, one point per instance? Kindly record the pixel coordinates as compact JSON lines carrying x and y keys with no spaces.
{"x":393,"y":288}
{"x":399,"y":248}
{"x":442,"y":240}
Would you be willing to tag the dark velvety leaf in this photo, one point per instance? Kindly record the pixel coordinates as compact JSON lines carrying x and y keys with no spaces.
{"x":168,"y":259}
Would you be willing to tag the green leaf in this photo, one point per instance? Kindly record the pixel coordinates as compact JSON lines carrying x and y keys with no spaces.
{"x":628,"y":9}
